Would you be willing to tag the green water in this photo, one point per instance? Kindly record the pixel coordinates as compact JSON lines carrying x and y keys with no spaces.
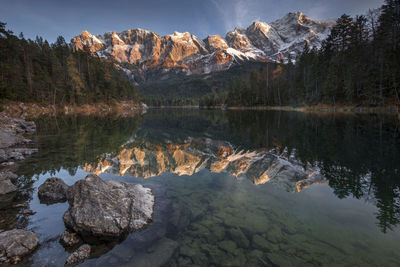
{"x":213,"y":218}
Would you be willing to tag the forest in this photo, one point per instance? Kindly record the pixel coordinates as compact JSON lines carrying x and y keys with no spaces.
{"x":36,"y":71}
{"x":358,"y":64}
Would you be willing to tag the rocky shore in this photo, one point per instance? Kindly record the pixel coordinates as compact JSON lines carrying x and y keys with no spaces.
{"x":13,"y":149}
{"x":33,"y":110}
{"x":14,"y":243}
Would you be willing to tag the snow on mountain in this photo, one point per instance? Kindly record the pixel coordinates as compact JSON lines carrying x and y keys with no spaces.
{"x":139,"y":51}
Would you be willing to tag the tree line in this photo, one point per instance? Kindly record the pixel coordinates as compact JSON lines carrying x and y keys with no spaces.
{"x":37,"y":71}
{"x":358,"y":64}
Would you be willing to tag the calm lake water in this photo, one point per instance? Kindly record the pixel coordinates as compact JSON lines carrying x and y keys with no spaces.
{"x":216,"y":214}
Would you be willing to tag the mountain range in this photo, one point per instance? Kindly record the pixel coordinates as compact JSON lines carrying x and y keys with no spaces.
{"x":142,"y":53}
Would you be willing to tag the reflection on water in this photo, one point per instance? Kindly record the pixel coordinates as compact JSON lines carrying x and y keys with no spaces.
{"x":140,"y":158}
{"x":230,"y":186}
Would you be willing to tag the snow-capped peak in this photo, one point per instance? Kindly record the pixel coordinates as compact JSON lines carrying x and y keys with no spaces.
{"x":187,"y":53}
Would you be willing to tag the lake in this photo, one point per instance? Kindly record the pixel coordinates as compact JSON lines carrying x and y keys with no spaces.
{"x":215,"y":205}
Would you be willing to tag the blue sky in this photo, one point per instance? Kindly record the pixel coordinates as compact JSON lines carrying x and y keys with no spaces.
{"x":50,"y":18}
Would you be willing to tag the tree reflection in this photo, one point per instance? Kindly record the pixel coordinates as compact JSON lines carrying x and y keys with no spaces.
{"x":358,"y":154}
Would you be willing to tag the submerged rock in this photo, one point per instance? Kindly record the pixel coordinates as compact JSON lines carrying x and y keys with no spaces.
{"x":53,"y":190}
{"x":78,"y":256}
{"x":15,"y":244}
{"x":239,"y":238}
{"x":107,"y":209}
{"x":69,"y":239}
{"x":158,"y":255}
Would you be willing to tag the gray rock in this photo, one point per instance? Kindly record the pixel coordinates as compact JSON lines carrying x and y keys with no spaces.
{"x":15,"y":244}
{"x":16,"y":154}
{"x":7,"y":187}
{"x":8,"y":139}
{"x":28,"y":212}
{"x":53,"y":190}
{"x":78,"y":256}
{"x":7,"y":175}
{"x":107,"y":209}
{"x":70,"y":239}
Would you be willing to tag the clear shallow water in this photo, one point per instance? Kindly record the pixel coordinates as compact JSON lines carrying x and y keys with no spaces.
{"x":208,"y":216}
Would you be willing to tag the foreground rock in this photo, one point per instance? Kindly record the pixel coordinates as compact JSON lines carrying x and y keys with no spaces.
{"x":107,"y":209}
{"x":157,"y":255}
{"x":81,"y":254}
{"x":53,"y":190}
{"x":15,"y":244}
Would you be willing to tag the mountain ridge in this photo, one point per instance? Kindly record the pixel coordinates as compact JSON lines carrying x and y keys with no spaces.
{"x":138,"y":51}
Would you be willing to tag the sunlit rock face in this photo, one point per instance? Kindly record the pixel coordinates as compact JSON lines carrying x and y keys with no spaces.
{"x":144,"y":50}
{"x":86,"y":39}
{"x":215,"y":43}
{"x":144,"y":159}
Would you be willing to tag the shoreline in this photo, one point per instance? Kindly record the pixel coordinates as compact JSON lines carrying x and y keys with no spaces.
{"x":34,"y":110}
{"x":129,"y":108}
{"x":320,"y":109}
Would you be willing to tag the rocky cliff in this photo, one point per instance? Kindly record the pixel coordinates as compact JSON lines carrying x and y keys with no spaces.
{"x":140,"y":51}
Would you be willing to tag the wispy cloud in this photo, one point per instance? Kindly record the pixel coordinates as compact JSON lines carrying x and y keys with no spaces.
{"x":234,"y":13}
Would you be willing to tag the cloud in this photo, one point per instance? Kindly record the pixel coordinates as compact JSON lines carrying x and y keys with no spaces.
{"x":235,"y":13}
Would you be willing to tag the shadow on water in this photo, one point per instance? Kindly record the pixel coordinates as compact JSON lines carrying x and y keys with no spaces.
{"x":210,"y":216}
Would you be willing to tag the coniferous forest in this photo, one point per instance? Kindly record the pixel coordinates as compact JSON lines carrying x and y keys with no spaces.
{"x":358,"y":64}
{"x":36,"y":71}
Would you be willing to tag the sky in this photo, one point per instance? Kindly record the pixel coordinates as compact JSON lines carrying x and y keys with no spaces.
{"x":51,"y":18}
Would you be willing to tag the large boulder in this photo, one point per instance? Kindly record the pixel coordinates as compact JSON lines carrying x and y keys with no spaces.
{"x":15,"y":244}
{"x":53,"y":190}
{"x":107,"y":209}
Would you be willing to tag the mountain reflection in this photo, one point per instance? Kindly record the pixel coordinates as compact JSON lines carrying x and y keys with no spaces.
{"x":357,"y":155}
{"x":141,"y":158}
